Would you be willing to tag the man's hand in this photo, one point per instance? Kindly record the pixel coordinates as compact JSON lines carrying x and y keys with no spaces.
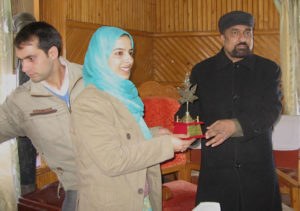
{"x":220,"y":131}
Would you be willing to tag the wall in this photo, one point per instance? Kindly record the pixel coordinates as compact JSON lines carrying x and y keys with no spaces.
{"x":203,"y":15}
{"x":22,"y":6}
{"x":128,"y":14}
{"x":171,"y":36}
{"x":186,"y":32}
{"x":54,"y":12}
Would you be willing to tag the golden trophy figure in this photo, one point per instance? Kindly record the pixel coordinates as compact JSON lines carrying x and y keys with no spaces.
{"x":187,"y":125}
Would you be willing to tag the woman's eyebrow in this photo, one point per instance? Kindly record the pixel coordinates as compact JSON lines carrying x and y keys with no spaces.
{"x":118,"y":49}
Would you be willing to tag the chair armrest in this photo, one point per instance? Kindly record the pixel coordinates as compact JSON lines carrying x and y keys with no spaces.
{"x":166,"y":193}
{"x":194,"y":166}
{"x":286,"y":179}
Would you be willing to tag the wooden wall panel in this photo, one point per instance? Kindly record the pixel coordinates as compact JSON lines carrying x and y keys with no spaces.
{"x":44,"y":176}
{"x":203,"y":15}
{"x":174,"y":56}
{"x":78,"y":38}
{"x":185,"y":39}
{"x":170,"y":35}
{"x":79,"y":35}
{"x":268,"y":46}
{"x":143,"y":55}
{"x":129,"y":14}
{"x":54,"y":13}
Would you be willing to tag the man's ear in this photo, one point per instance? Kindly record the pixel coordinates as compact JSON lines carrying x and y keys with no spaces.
{"x":222,"y":38}
{"x":53,"y":52}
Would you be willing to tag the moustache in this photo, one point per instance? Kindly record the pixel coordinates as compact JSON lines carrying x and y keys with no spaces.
{"x":242,"y":43}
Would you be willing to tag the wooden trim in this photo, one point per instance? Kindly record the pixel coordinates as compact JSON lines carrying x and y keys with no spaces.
{"x":172,"y":169}
{"x":29,"y":204}
{"x":186,"y":34}
{"x":293,"y":186}
{"x":287,"y":180}
{"x":194,"y":166}
{"x":92,"y":26}
{"x":64,"y":29}
{"x":36,"y":9}
{"x":209,"y":33}
{"x":42,"y":170}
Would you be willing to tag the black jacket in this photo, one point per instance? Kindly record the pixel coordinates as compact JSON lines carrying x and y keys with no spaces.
{"x":239,"y":173}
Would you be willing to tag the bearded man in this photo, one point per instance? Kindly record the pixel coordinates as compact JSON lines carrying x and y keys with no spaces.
{"x":239,"y":102}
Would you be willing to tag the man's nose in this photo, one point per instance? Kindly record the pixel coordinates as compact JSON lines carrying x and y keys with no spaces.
{"x":242,"y":37}
{"x":25,"y":66}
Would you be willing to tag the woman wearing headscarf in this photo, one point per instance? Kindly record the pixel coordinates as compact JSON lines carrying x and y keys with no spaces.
{"x":118,"y":157}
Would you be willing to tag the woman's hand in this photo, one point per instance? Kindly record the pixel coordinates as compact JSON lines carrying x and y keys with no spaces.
{"x":180,"y":145}
{"x":164,"y":131}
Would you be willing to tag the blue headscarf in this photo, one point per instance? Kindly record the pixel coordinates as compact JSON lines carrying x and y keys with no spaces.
{"x":96,"y":71}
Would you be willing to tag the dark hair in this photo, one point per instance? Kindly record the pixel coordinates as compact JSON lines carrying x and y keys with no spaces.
{"x":46,"y":34}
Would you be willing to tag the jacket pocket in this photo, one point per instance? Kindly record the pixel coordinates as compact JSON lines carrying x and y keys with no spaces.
{"x":48,"y":128}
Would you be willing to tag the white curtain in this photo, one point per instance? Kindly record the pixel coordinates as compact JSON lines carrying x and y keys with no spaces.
{"x":9,"y":164}
{"x":289,"y":53}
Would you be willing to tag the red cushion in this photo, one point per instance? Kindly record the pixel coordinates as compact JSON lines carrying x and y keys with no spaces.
{"x":183,"y":196}
{"x":286,"y":159}
{"x":287,"y":162}
{"x":160,"y":111}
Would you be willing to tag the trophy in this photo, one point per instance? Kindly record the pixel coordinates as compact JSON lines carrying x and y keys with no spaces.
{"x":187,"y":125}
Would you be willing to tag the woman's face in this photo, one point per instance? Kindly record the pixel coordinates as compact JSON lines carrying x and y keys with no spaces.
{"x":121,"y":60}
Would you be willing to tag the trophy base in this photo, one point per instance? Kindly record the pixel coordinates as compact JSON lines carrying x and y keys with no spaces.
{"x":193,"y":130}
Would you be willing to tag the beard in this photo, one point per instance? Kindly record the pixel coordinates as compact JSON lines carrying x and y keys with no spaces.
{"x":240,"y":52}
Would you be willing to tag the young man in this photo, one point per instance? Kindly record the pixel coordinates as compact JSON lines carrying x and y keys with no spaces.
{"x":40,"y":108}
{"x":239,"y":101}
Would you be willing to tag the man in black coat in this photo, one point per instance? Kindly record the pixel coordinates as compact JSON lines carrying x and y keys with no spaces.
{"x":239,"y":102}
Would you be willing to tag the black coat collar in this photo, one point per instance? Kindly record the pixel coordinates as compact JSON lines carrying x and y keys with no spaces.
{"x":223,"y":61}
